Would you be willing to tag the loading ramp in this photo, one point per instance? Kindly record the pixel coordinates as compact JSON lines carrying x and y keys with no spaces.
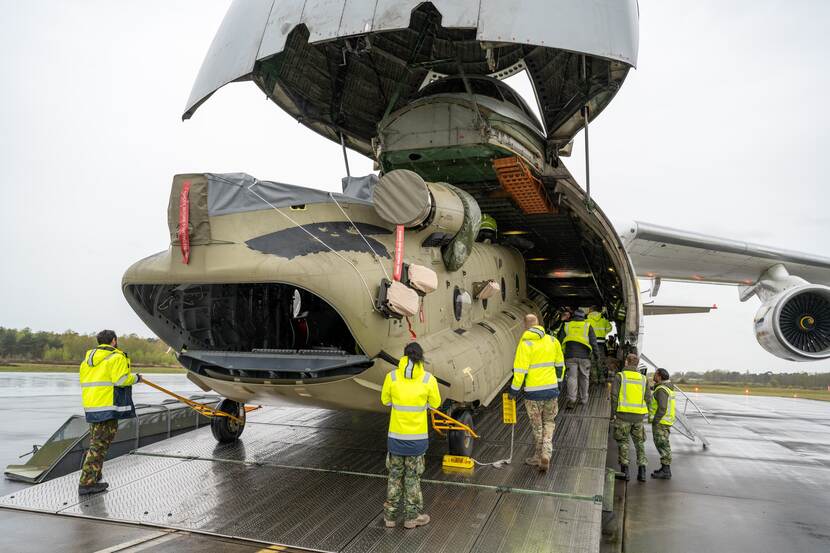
{"x":315,"y":479}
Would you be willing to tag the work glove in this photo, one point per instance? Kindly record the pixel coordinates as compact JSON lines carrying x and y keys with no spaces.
{"x":512,"y":394}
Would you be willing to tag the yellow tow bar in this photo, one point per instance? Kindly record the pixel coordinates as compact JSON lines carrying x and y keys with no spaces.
{"x":201,"y":408}
{"x":442,"y":423}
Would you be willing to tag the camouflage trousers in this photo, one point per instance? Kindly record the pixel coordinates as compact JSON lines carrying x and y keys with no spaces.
{"x":622,"y":430}
{"x":101,"y":435}
{"x":404,"y":484}
{"x":542,"y":415}
{"x":660,"y":432}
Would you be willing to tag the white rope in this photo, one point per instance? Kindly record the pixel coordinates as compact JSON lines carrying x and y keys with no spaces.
{"x":346,"y":215}
{"x":501,"y":462}
{"x":332,"y":250}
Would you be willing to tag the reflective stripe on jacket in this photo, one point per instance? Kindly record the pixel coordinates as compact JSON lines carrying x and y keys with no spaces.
{"x":106,"y":383}
{"x":632,"y":398}
{"x":577,"y":331}
{"x":410,"y":390}
{"x":669,"y":417}
{"x":602,"y":326}
{"x":537,"y":365}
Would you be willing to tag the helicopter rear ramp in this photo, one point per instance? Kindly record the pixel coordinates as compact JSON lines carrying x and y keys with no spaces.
{"x":313,"y":479}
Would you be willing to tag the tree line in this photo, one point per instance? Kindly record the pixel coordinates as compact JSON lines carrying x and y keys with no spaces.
{"x":69,"y":347}
{"x":815,"y":381}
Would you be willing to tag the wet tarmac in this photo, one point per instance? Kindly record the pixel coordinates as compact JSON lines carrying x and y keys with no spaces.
{"x":763,"y":485}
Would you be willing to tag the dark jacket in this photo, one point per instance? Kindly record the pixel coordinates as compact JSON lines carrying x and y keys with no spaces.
{"x":575,"y":350}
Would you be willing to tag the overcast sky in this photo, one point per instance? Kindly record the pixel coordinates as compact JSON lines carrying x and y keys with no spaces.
{"x":722,"y":129}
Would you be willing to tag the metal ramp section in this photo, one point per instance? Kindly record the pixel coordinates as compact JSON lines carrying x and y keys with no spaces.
{"x":63,"y":452}
{"x":316,"y":480}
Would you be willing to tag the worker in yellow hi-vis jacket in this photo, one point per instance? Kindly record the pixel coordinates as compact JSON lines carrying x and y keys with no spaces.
{"x":410,"y":391}
{"x":538,"y":365}
{"x":106,"y":391}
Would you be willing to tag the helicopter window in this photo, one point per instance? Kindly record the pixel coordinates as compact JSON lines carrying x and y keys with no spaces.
{"x":517,"y":284}
{"x":242,"y":317}
{"x":457,"y":305}
{"x":503,"y":289}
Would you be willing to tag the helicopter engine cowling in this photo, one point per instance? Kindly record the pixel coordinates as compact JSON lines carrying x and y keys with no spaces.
{"x":795,"y":324}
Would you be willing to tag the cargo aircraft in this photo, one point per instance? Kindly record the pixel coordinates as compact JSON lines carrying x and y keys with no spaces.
{"x":271,"y":292}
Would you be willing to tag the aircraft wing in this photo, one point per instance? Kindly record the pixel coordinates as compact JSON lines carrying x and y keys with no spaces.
{"x":671,"y":254}
{"x":652,"y":309}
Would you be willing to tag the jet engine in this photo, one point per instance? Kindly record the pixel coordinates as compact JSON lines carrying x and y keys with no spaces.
{"x":795,"y":324}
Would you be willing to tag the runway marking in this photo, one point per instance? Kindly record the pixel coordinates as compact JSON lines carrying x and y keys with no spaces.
{"x":140,"y":544}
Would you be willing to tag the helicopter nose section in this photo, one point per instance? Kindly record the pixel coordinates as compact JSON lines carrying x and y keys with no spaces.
{"x":243,"y":318}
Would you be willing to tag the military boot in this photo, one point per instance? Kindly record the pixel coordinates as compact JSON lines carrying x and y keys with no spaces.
{"x":388,"y":523}
{"x":623,"y":474}
{"x":544,"y":463}
{"x":416,"y":522}
{"x":532,"y":461}
{"x":98,"y":487}
{"x":641,"y":473}
{"x":663,"y":474}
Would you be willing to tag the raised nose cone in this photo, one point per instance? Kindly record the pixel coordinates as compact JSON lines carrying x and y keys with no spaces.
{"x":341,"y":71}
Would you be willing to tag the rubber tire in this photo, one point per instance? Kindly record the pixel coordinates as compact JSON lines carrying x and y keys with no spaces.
{"x":461,"y":443}
{"x":225,"y":430}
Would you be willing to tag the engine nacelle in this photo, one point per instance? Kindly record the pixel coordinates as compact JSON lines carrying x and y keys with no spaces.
{"x":795,"y":324}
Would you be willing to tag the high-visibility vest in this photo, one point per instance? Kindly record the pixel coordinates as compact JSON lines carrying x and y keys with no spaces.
{"x":632,"y":398}
{"x":602,"y":326}
{"x":578,"y":331}
{"x":538,"y":361}
{"x":410,"y":390}
{"x":105,"y":384}
{"x":669,"y":417}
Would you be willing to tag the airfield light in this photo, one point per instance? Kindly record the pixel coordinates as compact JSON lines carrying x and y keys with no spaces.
{"x":697,"y":388}
{"x":746,"y":390}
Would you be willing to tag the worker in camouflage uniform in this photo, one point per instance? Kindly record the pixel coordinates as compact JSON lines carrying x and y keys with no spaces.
{"x":409,"y":391}
{"x":106,"y":391}
{"x":661,"y":415}
{"x":537,"y":366}
{"x":630,"y":396}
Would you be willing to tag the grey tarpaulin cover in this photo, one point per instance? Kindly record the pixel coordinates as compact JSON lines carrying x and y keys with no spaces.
{"x":229,"y":193}
{"x":361,"y":188}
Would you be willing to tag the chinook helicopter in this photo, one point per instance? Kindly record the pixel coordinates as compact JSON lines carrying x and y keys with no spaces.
{"x":271,"y":292}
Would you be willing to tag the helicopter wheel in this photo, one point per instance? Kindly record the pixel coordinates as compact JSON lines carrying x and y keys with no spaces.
{"x":227,"y":430}
{"x":460,"y":442}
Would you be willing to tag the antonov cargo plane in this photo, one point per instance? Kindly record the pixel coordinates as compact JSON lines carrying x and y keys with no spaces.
{"x":270,"y":291}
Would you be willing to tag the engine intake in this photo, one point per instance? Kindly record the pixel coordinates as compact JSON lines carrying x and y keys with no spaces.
{"x":795,"y":324}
